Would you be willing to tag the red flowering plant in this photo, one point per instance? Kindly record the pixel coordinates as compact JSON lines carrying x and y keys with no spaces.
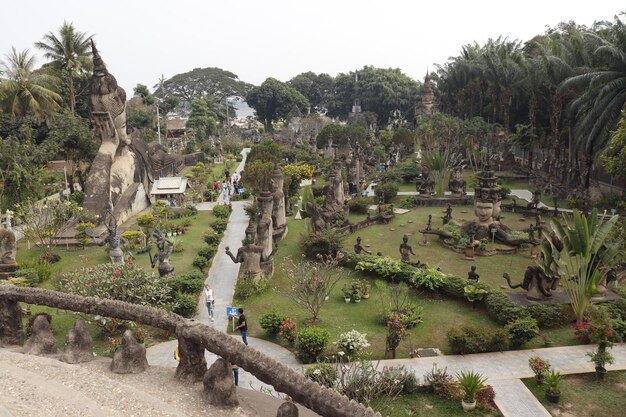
{"x":540,"y":367}
{"x":288,"y":330}
{"x":114,"y":344}
{"x":396,"y":331}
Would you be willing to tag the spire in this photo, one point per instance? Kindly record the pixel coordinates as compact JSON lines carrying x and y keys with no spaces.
{"x":98,"y":65}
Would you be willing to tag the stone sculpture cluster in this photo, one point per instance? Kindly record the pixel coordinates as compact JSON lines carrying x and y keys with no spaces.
{"x":8,"y":248}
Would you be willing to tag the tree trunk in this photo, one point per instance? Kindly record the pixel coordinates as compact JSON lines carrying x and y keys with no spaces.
{"x":70,"y":83}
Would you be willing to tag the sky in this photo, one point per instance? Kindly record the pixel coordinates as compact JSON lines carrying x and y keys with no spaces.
{"x":140,"y":40}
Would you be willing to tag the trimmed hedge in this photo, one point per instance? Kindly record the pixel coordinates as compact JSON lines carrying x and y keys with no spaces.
{"x":475,"y":339}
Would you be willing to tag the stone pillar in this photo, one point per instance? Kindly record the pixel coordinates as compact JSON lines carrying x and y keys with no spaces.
{"x":192,"y":364}
{"x":278,"y":208}
{"x":11,"y":332}
{"x":265,"y":230}
{"x":219,"y":385}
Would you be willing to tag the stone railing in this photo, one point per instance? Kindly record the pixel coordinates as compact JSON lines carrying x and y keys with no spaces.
{"x":193,"y":339}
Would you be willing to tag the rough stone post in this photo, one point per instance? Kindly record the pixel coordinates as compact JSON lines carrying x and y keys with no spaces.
{"x":219,"y":385}
{"x":287,"y":409}
{"x":41,"y":340}
{"x":130,"y":357}
{"x":11,"y":332}
{"x":78,"y":344}
{"x":192,"y":364}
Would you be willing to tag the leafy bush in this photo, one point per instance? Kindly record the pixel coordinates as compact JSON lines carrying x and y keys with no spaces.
{"x":207,"y":252}
{"x":271,"y":321}
{"x":551,"y":315}
{"x":133,"y":237}
{"x":30,"y":276}
{"x":324,"y":374}
{"x":360,"y":205}
{"x":219,"y":225}
{"x":442,"y":383}
{"x":307,"y":197}
{"x":221,"y":211}
{"x":328,"y":241}
{"x":44,"y":269}
{"x":388,"y":189}
{"x":429,"y":278}
{"x":522,"y":330}
{"x":391,"y":375}
{"x":185,"y":305}
{"x":501,"y":309}
{"x":246,"y":288}
{"x":352,"y":342}
{"x":245,"y":194}
{"x":311,"y":343}
{"x":211,"y":237}
{"x":200,"y":262}
{"x":187,"y":283}
{"x":470,"y":339}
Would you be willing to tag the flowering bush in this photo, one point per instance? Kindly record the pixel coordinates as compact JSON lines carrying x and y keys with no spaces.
{"x":311,"y":343}
{"x":288,"y":330}
{"x":328,"y":241}
{"x":583,"y":330}
{"x":352,"y":342}
{"x":395,"y":332}
{"x":539,"y":366}
{"x":324,"y":374}
{"x":272,"y":322}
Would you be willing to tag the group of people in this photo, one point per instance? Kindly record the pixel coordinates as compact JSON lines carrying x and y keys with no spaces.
{"x":229,"y":186}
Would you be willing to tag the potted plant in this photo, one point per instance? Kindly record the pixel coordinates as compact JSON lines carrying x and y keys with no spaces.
{"x":365,"y":289}
{"x":471,"y":383}
{"x":347,"y":293}
{"x":553,"y":380}
{"x":600,"y":358}
{"x":540,"y":368}
{"x":356,"y":295}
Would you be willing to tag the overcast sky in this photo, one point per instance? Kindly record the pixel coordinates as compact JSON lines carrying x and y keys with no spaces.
{"x":141,"y":39}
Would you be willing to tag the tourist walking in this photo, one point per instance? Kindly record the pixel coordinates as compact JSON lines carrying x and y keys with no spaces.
{"x":210,"y":301}
{"x":242,"y":326}
{"x":224,"y":191}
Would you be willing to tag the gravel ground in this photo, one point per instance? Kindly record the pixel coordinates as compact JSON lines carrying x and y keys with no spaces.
{"x":43,"y":386}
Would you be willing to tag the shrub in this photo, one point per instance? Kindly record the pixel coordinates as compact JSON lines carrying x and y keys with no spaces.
{"x":442,"y":383}
{"x":246,"y":288}
{"x":470,"y":339}
{"x":133,"y":237}
{"x":360,"y":205}
{"x":245,"y":194}
{"x":185,"y":305}
{"x":485,"y":398}
{"x":522,"y":330}
{"x":44,"y":269}
{"x":428,"y":278}
{"x":352,"y":342}
{"x":501,"y":309}
{"x":388,"y":189}
{"x":29,"y":275}
{"x":187,"y":283}
{"x":311,"y":343}
{"x":288,"y":330}
{"x":200,"y":262}
{"x":238,"y":158}
{"x":324,"y":374}
{"x":211,"y":237}
{"x":207,"y":252}
{"x":455,"y":287}
{"x":551,"y":315}
{"x":328,"y":241}
{"x":219,"y":225}
{"x":271,"y":321}
{"x":221,"y":211}
{"x":146,"y":221}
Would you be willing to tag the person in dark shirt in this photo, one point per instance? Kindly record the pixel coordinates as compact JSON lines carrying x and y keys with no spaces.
{"x":242,"y":325}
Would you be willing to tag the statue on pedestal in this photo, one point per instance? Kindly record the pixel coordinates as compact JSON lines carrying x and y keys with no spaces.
{"x":8,"y":248}
{"x":163,"y":253}
{"x":537,"y":284}
{"x":116,"y":242}
{"x":406,"y":250}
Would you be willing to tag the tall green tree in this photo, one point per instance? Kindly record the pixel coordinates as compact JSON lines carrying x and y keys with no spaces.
{"x":70,"y":51}
{"x":25,"y":91}
{"x":316,"y":88}
{"x":201,"y":121}
{"x":273,"y":100}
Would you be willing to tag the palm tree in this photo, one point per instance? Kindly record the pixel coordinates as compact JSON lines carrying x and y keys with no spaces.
{"x":70,"y":52}
{"x":24,"y":91}
{"x":603,"y":87}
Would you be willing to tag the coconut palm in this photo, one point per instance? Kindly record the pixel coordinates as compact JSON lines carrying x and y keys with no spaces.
{"x":70,"y":51}
{"x":24,"y":91}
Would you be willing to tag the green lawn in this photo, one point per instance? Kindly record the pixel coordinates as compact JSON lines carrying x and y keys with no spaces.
{"x":429,"y":405}
{"x":583,"y":396}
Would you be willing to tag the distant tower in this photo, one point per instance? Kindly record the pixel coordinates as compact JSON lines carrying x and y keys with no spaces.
{"x":425,"y":107}
{"x":356,"y":106}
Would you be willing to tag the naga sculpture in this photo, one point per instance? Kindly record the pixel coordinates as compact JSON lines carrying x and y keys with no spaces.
{"x":537,"y":284}
{"x":116,"y":242}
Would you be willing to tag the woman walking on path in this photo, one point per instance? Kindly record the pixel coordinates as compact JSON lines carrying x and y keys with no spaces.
{"x":210,"y":300}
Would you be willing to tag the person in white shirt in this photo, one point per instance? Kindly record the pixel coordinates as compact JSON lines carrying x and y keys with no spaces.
{"x":210,"y":300}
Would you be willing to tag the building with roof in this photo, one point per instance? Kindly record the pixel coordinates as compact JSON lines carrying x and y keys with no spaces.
{"x":170,"y":189}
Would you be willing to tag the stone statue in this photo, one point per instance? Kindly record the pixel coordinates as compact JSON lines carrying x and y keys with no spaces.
{"x":278,"y":209}
{"x":116,"y":242}
{"x":405,"y":249}
{"x":358,"y":248}
{"x":317,"y":222}
{"x":537,"y":220}
{"x":122,"y":172}
{"x":429,"y":226}
{"x":8,"y":249}
{"x":265,"y":230}
{"x":531,"y":233}
{"x":456,"y":184}
{"x":472,"y":275}
{"x":536,"y":199}
{"x":484,"y":212}
{"x":163,"y":254}
{"x":250,"y":255}
{"x":537,"y":284}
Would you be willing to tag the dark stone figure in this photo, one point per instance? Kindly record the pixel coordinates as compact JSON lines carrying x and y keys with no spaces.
{"x":358,"y":248}
{"x":78,"y":344}
{"x":11,"y":332}
{"x":41,"y":340}
{"x":116,"y":242}
{"x":448,"y":216}
{"x":130,"y":357}
{"x":287,"y":409}
{"x":531,"y":233}
{"x":429,"y":226}
{"x":537,"y":284}
{"x":405,"y":249}
{"x":538,"y":220}
{"x":163,"y":254}
{"x":472,"y":275}
{"x":219,"y":385}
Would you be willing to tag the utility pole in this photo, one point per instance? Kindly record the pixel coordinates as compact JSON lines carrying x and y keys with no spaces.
{"x":158,"y":124}
{"x":227,"y":118}
{"x":158,"y":114}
